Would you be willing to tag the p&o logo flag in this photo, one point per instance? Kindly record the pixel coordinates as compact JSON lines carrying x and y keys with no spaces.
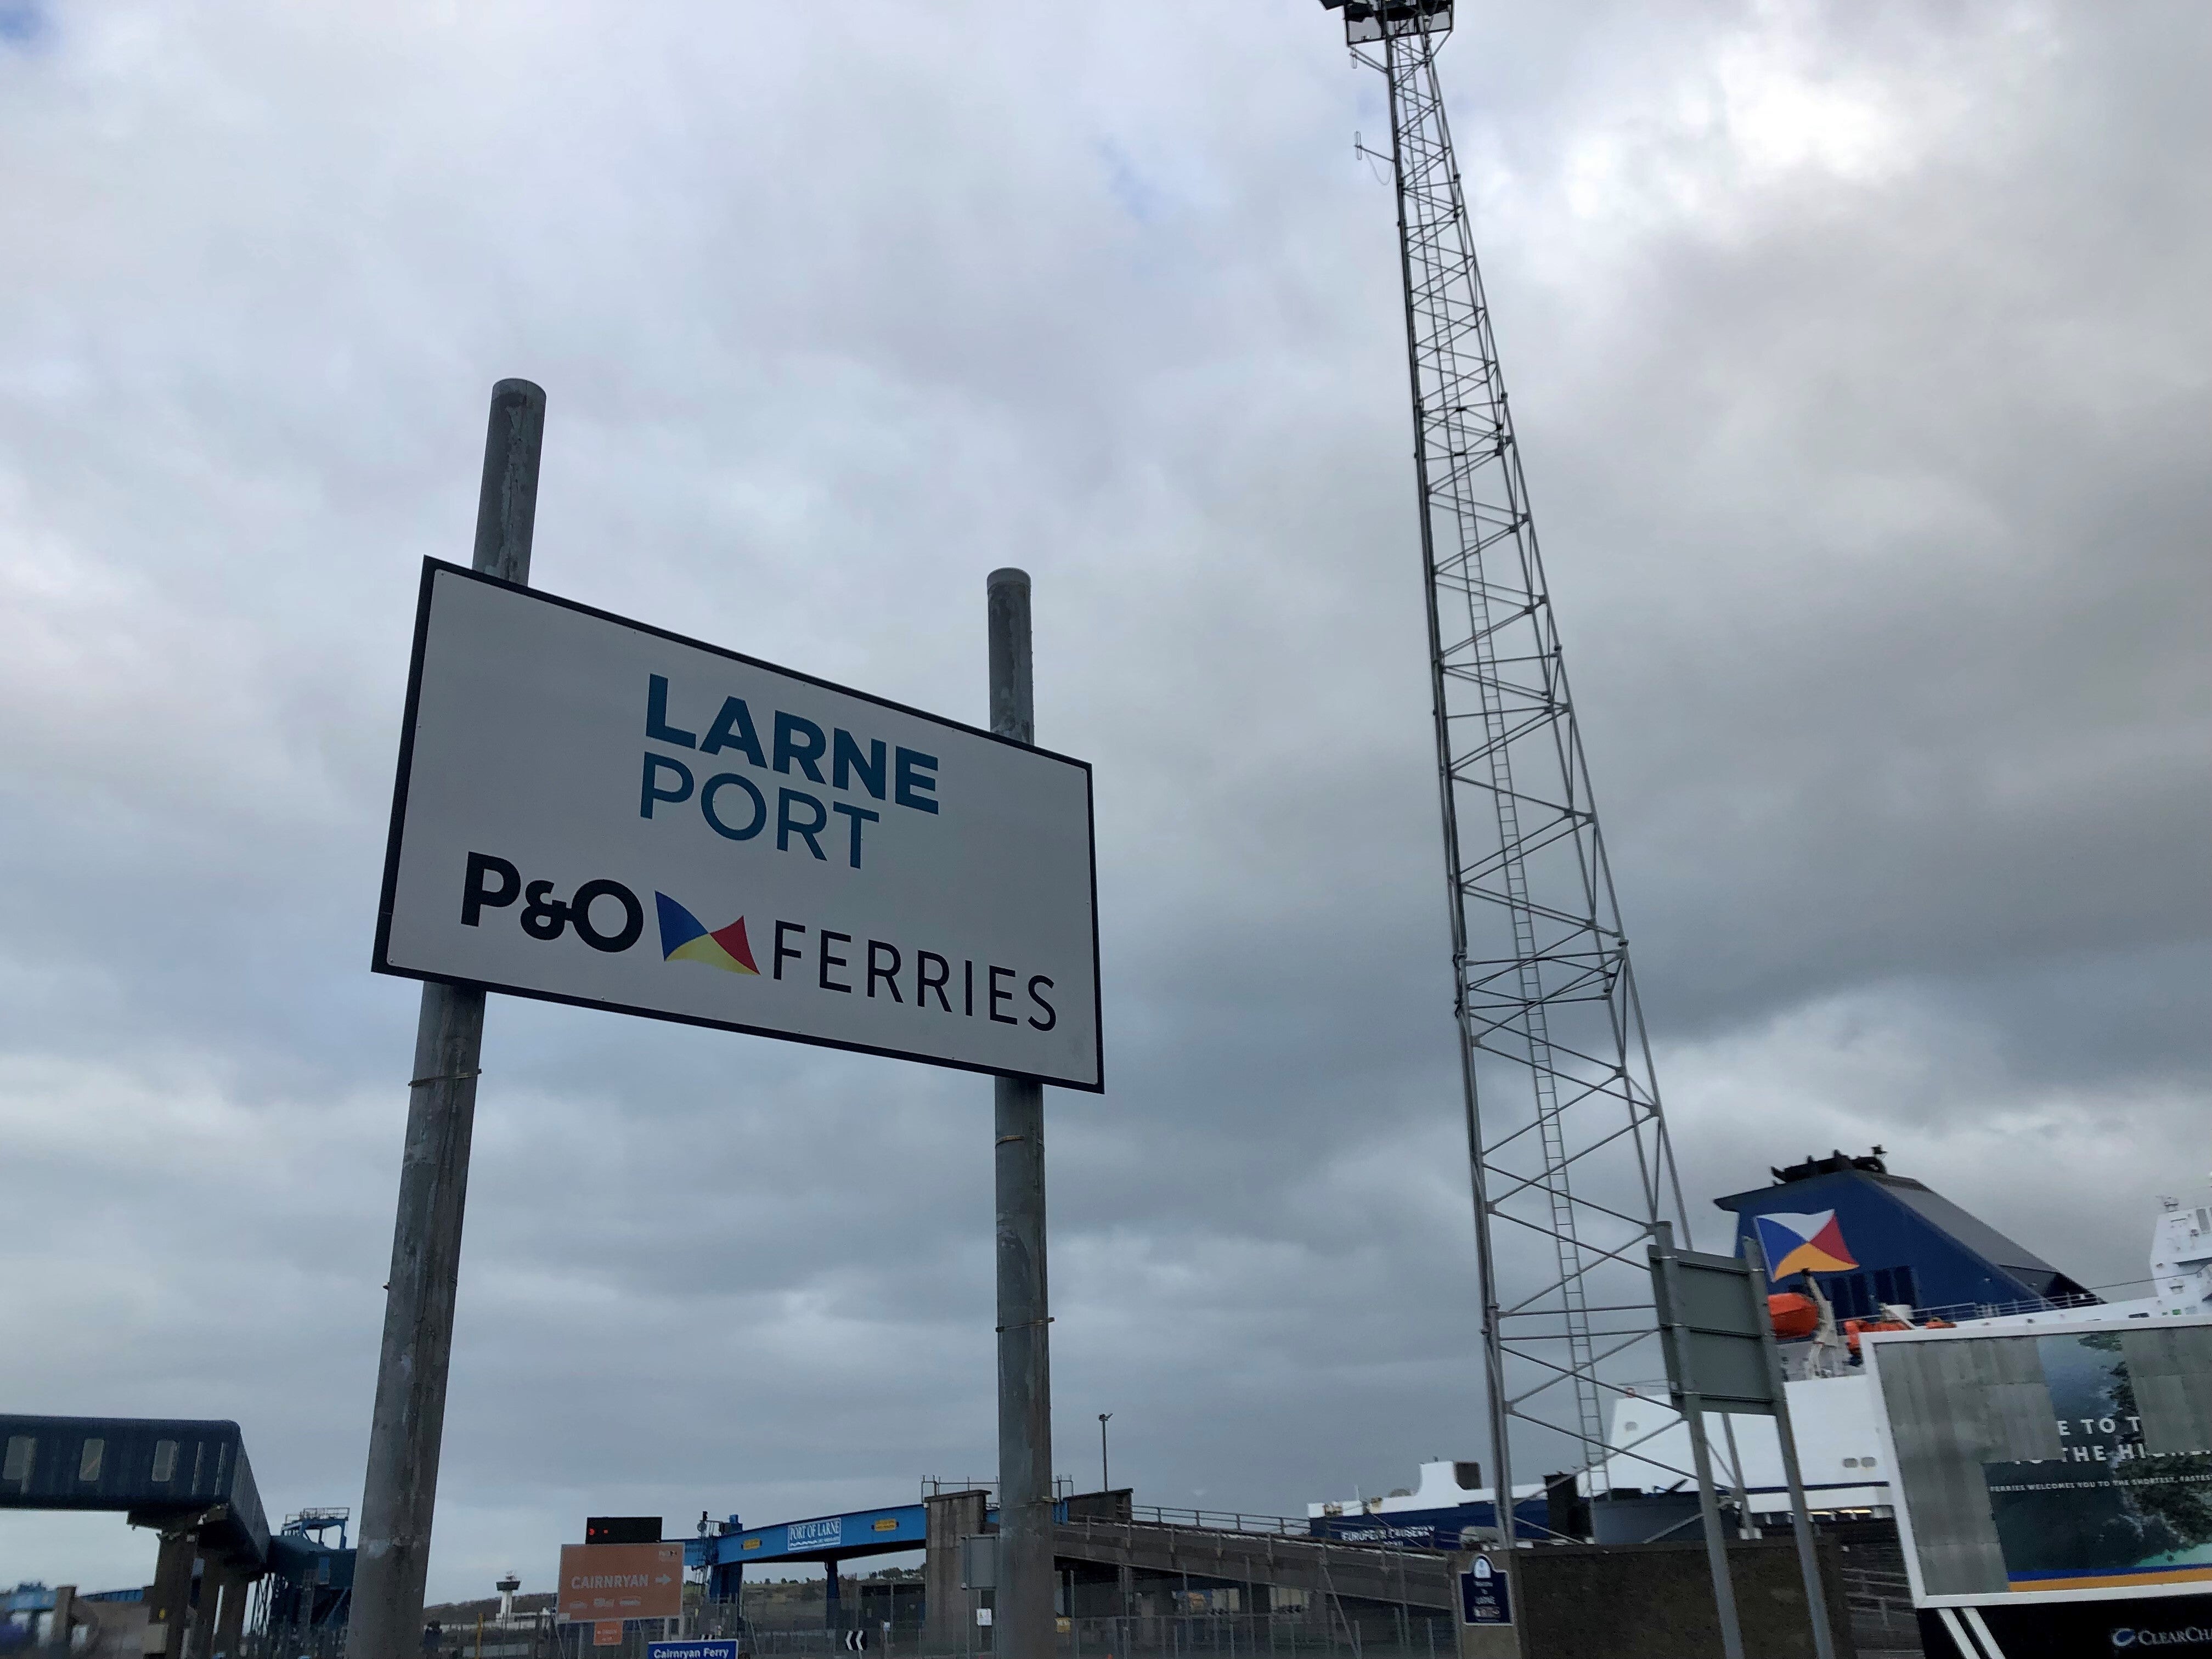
{"x":1803,"y":1243}
{"x":684,"y":937}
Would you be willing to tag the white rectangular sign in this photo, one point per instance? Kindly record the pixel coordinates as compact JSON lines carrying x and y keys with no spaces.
{"x":592,"y":810}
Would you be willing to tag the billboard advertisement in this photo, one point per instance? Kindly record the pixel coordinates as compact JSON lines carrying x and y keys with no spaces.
{"x":592,"y":810}
{"x":2066,"y":1461}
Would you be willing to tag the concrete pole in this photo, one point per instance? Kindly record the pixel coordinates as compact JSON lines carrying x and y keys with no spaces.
{"x":409,"y":1422}
{"x":230,"y":1627}
{"x":199,"y":1635}
{"x":1022,"y":1625}
{"x":170,"y":1605}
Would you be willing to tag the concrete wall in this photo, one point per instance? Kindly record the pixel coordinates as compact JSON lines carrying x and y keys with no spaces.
{"x":115,"y":1630}
{"x":1656,"y":1601}
{"x":949,"y":1518}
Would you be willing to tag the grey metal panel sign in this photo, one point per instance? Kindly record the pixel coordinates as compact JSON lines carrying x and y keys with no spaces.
{"x":979,"y":1561}
{"x":1712,"y":1329}
{"x":589,"y":809}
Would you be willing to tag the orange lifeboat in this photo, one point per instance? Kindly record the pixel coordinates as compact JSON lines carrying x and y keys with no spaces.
{"x":1794,"y":1316}
{"x":1854,"y":1327}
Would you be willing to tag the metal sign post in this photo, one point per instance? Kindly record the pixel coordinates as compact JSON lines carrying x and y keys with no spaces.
{"x":1721,"y":1356}
{"x":1025,"y":1630}
{"x":409,"y":1421}
{"x":1800,"y":1522}
{"x":1679,"y":1336}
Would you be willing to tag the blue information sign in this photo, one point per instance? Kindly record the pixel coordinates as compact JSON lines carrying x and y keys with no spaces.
{"x":1485,"y":1597}
{"x":692,"y":1650}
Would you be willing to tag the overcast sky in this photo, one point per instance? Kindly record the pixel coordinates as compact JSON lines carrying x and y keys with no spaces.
{"x":1861,"y":361}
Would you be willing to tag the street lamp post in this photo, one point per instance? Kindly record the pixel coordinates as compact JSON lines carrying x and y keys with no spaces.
{"x":1105,"y":1484}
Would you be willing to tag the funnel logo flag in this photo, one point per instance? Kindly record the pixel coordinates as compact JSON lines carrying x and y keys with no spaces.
{"x":1794,"y":1244}
{"x":684,"y":937}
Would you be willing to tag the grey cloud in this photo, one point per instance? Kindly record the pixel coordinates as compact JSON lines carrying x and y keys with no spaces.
{"x":1859,"y":363}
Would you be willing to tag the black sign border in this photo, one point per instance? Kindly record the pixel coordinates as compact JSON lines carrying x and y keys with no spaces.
{"x":381,"y":963}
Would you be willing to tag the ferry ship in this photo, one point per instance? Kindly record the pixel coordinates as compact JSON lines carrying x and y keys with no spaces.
{"x":1854,"y":1249}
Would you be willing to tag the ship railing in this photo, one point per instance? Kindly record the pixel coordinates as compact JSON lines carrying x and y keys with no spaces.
{"x":1955,"y":1312}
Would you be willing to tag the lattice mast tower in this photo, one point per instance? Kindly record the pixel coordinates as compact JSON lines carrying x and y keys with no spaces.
{"x":1567,"y":1147}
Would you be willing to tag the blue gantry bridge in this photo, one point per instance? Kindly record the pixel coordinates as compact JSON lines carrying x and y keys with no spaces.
{"x":826,"y":1539}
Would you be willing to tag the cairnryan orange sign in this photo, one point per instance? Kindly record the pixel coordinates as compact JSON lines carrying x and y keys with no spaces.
{"x":602,"y":1582}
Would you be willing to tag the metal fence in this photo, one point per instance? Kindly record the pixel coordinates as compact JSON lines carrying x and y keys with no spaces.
{"x":294,"y":1641}
{"x":1881,"y":1602}
{"x":1882,"y":1616}
{"x":1164,"y":1636}
{"x":1323,"y":1631}
{"x":329,"y":1641}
